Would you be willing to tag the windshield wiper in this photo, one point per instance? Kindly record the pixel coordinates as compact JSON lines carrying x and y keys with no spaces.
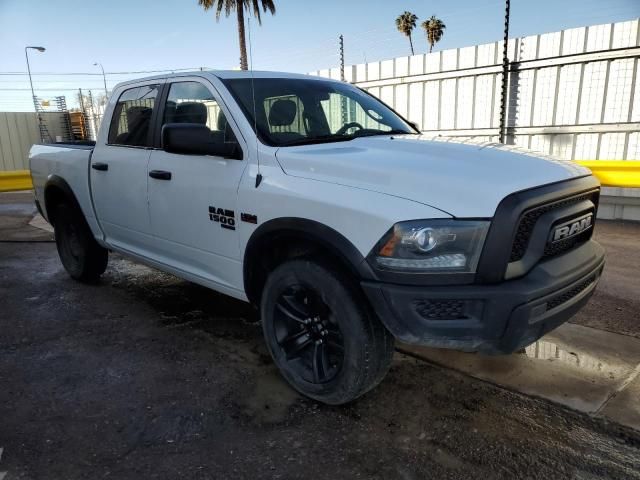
{"x":382,"y":132}
{"x":318,"y":139}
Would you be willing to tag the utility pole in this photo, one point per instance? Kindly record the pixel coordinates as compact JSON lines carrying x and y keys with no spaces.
{"x":341,"y":58}
{"x":41,"y":126}
{"x":505,"y":76}
{"x":104,"y":79}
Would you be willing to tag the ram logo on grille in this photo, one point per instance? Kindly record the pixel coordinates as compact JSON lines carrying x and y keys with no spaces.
{"x":572,"y":228}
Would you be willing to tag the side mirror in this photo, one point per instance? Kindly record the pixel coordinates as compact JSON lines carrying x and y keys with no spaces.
{"x":197,"y":139}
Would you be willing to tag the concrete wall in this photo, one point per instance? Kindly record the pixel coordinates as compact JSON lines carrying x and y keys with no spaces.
{"x":574,"y":94}
{"x":18,"y":131}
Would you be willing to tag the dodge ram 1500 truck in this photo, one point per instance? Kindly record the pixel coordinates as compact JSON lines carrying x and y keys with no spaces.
{"x":328,"y":211}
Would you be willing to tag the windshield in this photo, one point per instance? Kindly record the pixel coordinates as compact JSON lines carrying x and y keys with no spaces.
{"x":293,"y":111}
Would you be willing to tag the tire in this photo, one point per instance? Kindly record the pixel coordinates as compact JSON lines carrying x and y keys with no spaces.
{"x":330,"y":347}
{"x":79,"y":253}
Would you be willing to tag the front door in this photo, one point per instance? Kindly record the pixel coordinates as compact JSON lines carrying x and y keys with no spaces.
{"x":192,"y":198}
{"x":119,"y":171}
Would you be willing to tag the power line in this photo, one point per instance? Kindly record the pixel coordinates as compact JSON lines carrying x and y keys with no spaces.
{"x":106,"y":73}
{"x":3,"y":89}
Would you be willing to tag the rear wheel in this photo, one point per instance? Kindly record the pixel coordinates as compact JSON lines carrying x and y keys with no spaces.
{"x":79,"y":253}
{"x":321,"y":332}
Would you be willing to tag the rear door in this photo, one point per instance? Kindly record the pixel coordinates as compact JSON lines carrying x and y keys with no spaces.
{"x":192,"y":198}
{"x":119,"y":169}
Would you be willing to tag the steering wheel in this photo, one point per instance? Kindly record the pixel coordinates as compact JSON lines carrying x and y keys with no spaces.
{"x":343,"y":129}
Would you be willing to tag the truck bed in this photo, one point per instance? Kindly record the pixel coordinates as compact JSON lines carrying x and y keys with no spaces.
{"x":63,"y":163}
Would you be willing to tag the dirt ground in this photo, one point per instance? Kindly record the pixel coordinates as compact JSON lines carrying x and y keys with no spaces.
{"x":148,"y":376}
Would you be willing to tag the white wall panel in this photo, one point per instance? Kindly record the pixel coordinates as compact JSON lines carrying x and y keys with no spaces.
{"x":448,"y":98}
{"x":562,"y":146}
{"x":586,"y":146}
{"x":401,"y":104}
{"x":416,"y":65}
{"x":612,"y":146}
{"x":465,"y":102}
{"x":495,"y":121}
{"x":598,"y":37}
{"x":619,"y":90}
{"x":635,"y":108}
{"x":467,"y":57}
{"x":624,"y":33}
{"x":573,"y":41}
{"x":633,"y":148}
{"x":449,"y":60}
{"x":592,"y":92}
{"x":373,"y":71}
{"x":545,"y":95}
{"x":522,"y":141}
{"x":431,"y":110}
{"x":483,"y":97}
{"x":568,"y":88}
{"x":528,"y":47}
{"x":402,"y":67}
{"x":432,"y":62}
{"x":541,"y":143}
{"x":486,"y":54}
{"x":386,"y":69}
{"x":416,"y":103}
{"x":549,"y":45}
{"x":525,"y":98}
{"x":386,"y":94}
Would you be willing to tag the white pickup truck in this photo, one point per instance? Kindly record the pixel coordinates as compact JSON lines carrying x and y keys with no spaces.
{"x":324,"y":208}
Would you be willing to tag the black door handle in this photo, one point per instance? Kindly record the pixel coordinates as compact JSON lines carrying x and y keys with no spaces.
{"x":103,"y":167}
{"x":160,"y":174}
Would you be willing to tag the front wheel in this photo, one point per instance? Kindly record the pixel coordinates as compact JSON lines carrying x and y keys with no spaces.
{"x":321,"y":333}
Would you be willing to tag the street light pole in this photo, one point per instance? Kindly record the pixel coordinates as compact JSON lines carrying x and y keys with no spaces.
{"x":33,"y":93}
{"x":104,"y":79}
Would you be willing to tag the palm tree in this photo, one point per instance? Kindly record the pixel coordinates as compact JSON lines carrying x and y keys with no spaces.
{"x":434,"y":28}
{"x":239,"y":6}
{"x":405,"y":23}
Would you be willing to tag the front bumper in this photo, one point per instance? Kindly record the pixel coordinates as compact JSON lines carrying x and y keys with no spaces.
{"x":491,"y":318}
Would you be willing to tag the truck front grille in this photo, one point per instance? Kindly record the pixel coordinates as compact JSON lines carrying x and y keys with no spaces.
{"x":530,"y":217}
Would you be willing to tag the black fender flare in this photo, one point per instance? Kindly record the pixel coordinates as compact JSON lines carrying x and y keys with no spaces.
{"x":58,"y":183}
{"x":331,"y":240}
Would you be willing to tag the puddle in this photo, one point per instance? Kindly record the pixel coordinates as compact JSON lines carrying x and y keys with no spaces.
{"x":554,"y":352}
{"x":575,"y":366}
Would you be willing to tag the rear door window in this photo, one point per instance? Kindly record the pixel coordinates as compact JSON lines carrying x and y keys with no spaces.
{"x":131,"y":120}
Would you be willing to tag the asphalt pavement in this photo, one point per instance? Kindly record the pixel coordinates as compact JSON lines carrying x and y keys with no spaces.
{"x":148,"y":376}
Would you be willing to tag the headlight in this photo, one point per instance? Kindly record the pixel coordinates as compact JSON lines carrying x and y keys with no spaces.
{"x":432,"y":246}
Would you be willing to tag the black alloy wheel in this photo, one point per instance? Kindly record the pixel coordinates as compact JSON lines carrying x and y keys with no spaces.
{"x":312,"y":343}
{"x":321,"y":331}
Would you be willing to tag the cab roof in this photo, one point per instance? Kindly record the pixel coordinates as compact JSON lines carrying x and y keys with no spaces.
{"x":224,"y":75}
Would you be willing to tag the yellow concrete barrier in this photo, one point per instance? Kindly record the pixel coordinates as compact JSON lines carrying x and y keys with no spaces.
{"x":15,"y":180}
{"x":615,"y":173}
{"x":611,"y":173}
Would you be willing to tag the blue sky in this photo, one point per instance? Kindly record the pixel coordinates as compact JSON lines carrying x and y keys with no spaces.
{"x":134,"y":35}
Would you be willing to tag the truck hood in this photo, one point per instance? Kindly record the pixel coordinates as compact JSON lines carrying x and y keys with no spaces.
{"x":461,"y":179}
